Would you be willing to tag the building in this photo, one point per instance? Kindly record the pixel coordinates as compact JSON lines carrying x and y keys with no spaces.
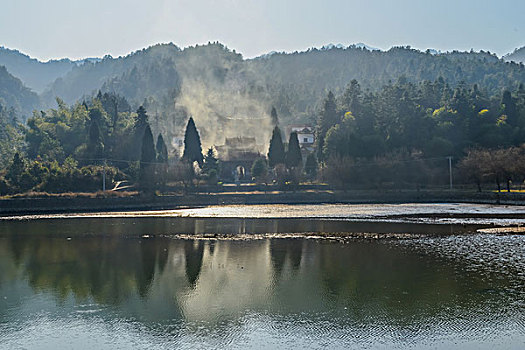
{"x":305,"y":134}
{"x":237,"y":156}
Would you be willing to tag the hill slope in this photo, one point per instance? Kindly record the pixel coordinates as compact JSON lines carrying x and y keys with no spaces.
{"x":14,"y":94}
{"x":35,"y":74}
{"x":517,"y":56}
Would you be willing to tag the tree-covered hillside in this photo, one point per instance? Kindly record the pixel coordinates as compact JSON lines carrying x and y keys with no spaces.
{"x":294,"y":82}
{"x":13,"y":94}
{"x":35,"y":74}
{"x":517,"y":56}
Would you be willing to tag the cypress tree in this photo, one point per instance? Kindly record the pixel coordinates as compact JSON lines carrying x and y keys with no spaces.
{"x":138,"y":133}
{"x":147,"y":160}
{"x":293,"y":156}
{"x":192,"y":144}
{"x":276,"y":154}
{"x":162,"y":150}
{"x":310,"y":168}
{"x":275,"y":118}
{"x":329,"y":115}
{"x":95,"y":145}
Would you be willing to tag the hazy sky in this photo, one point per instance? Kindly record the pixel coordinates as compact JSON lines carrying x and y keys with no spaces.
{"x":70,"y":28}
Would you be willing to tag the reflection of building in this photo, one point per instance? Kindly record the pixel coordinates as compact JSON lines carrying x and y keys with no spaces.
{"x":305,"y":134}
{"x":237,"y":155}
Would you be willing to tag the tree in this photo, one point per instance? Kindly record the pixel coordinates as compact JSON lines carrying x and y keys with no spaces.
{"x":141,"y":122}
{"x":15,"y":170}
{"x":329,"y":116}
{"x":310,"y":167}
{"x":192,"y":144}
{"x":95,"y":144}
{"x":275,"y":118}
{"x":162,"y":160}
{"x":327,"y":119}
{"x":293,"y":156}
{"x":162,"y":150}
{"x":147,"y":161}
{"x":276,"y":154}
{"x":259,"y":169}
{"x":210,"y":162}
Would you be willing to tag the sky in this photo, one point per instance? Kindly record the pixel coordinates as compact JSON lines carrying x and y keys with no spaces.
{"x":75,"y":29}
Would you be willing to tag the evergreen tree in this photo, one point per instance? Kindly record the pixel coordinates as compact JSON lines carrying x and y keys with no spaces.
{"x":276,"y":154}
{"x":141,"y":122}
{"x":329,"y":116}
{"x":210,"y":162}
{"x":327,"y":119}
{"x":192,"y":144}
{"x":162,"y":150}
{"x":293,"y":156}
{"x":147,"y":161}
{"x":95,"y":144}
{"x":275,"y":118}
{"x":15,"y":169}
{"x":259,"y":169}
{"x":310,"y":167}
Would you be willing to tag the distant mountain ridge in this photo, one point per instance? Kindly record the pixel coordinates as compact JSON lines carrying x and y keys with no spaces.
{"x":214,"y":80}
{"x":14,"y":94}
{"x":517,"y":55}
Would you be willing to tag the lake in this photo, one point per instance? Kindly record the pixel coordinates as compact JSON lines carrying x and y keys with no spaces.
{"x":169,"y":281}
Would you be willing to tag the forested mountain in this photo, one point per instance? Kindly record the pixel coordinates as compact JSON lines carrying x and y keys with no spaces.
{"x":35,"y":74}
{"x":294,"y":82}
{"x":13,"y":94}
{"x":517,"y":56}
{"x":215,"y":84}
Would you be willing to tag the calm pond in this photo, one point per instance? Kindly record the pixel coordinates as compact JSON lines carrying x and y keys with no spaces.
{"x":129,"y":282}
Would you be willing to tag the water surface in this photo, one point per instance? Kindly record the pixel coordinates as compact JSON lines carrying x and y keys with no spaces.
{"x":89,"y":283}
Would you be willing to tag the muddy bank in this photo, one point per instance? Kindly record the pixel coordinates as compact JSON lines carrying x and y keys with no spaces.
{"x":64,"y":204}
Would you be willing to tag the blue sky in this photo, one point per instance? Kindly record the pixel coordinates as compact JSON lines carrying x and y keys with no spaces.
{"x":75,"y":29}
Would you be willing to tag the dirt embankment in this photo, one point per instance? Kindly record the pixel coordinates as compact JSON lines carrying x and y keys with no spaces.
{"x":81,"y":204}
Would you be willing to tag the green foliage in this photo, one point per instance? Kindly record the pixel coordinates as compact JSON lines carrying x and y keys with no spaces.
{"x":11,"y":136}
{"x":210,"y":162}
{"x":310,"y":166}
{"x":192,"y":144}
{"x":276,"y":153}
{"x":162,"y":150}
{"x":294,"y":157}
{"x":13,"y":94}
{"x":259,"y":169}
{"x":148,"y":159}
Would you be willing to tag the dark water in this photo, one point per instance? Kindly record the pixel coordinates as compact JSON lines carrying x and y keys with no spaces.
{"x":96,"y":283}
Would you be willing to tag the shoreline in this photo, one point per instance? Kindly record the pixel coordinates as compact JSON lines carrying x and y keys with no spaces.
{"x":55,"y":205}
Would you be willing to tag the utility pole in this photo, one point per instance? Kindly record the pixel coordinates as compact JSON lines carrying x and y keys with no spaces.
{"x":450,"y":170}
{"x":104,"y":176}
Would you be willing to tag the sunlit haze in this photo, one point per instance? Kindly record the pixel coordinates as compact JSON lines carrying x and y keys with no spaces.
{"x":77,"y":29}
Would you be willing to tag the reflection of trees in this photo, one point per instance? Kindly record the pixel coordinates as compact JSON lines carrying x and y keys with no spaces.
{"x":108,"y":269}
{"x":193,"y":253}
{"x":282,"y":250}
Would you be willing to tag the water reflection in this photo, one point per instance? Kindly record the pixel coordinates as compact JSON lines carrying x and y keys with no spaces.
{"x":183,"y":287}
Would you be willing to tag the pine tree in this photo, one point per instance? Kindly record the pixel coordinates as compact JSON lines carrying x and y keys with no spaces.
{"x":275,"y":118}
{"x":310,"y":167}
{"x":329,"y":116}
{"x":15,"y":169}
{"x":162,"y":150}
{"x":192,"y":144}
{"x":147,"y":161}
{"x":210,"y":162}
{"x":162,"y":161}
{"x":276,"y":154}
{"x":138,"y":133}
{"x":293,"y":156}
{"x":95,"y":144}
